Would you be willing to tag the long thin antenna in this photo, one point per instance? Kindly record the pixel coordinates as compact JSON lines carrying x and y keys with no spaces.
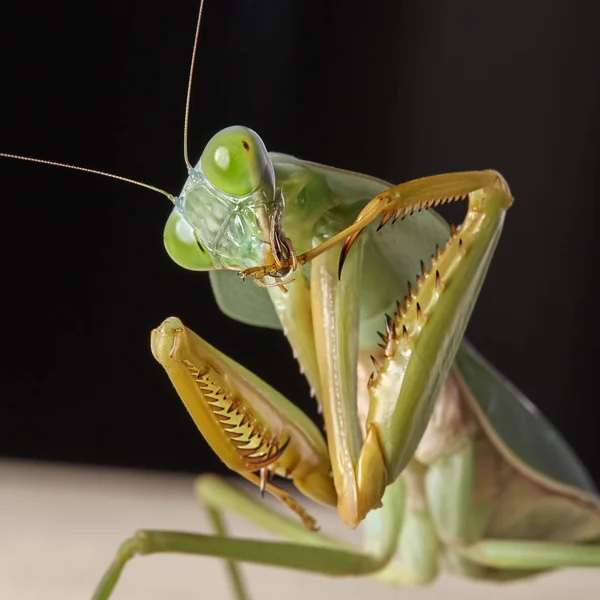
{"x":93,"y":171}
{"x":127,"y":179}
{"x":189,"y":91}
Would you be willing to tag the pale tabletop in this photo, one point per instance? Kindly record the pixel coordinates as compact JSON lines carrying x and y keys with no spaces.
{"x":60,"y":526}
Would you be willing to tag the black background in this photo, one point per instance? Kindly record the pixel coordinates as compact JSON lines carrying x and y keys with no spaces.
{"x":397,"y":89}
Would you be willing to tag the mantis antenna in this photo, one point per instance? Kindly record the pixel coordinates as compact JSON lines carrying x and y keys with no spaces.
{"x":186,"y":118}
{"x":93,"y":171}
{"x":120,"y":177}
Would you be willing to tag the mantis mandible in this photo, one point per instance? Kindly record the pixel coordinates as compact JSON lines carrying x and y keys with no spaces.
{"x":411,"y":433}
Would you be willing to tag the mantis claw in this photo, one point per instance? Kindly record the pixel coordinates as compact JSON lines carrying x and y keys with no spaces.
{"x":397,"y":203}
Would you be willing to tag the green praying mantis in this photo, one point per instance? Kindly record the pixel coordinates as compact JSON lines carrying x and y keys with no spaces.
{"x":433,"y":453}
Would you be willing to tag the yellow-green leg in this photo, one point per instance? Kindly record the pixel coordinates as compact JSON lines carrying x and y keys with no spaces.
{"x":306,"y":550}
{"x":526,"y":555}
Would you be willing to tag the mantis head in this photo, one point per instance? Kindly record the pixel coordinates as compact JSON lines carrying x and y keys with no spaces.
{"x":229,"y":212}
{"x":228,"y":215}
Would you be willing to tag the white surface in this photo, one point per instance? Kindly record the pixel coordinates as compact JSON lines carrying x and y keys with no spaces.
{"x":60,"y":527}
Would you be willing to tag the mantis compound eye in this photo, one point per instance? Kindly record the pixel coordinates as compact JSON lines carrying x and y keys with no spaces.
{"x":183,"y":245}
{"x":236,"y":161}
{"x":226,"y":201}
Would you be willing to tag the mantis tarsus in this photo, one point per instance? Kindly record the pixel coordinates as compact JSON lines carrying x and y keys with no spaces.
{"x":431,"y":507}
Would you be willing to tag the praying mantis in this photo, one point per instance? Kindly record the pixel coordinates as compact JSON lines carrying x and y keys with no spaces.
{"x":418,"y":430}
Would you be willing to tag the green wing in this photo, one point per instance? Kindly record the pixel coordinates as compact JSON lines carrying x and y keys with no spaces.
{"x":519,"y":430}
